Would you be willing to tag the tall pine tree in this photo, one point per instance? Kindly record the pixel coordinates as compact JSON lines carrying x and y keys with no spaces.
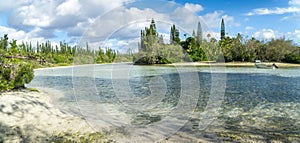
{"x":199,"y":34}
{"x":194,"y":34}
{"x":149,"y":37}
{"x":222,"y":30}
{"x":174,"y":35}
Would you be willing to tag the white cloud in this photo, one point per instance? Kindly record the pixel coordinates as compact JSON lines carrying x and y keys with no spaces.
{"x":36,"y":14}
{"x":294,"y":2}
{"x":22,"y":36}
{"x":94,"y":8}
{"x":98,"y":20}
{"x":70,"y":7}
{"x":57,"y":14}
{"x":265,"y":34}
{"x":193,"y":7}
{"x":185,"y":17}
{"x":13,"y":33}
{"x":277,"y":10}
{"x":230,"y":20}
{"x":125,"y":23}
{"x":295,"y":16}
{"x":213,"y":20}
{"x":211,"y":34}
{"x":12,"y":4}
{"x":248,"y":28}
{"x":294,"y":35}
{"x":78,"y":29}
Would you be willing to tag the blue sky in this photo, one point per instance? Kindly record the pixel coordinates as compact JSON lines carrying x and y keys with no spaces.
{"x":117,"y":23}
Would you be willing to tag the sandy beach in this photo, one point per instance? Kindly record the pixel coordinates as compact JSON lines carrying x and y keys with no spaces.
{"x":29,"y":116}
{"x":233,"y":64}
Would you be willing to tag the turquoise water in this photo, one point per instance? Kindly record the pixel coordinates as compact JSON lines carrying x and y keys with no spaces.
{"x":189,"y":103}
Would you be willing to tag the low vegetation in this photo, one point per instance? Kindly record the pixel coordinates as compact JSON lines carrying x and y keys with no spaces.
{"x":78,"y":137}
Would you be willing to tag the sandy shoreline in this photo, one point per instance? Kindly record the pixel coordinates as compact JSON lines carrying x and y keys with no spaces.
{"x":197,"y":64}
{"x":233,"y":64}
{"x":28,"y":116}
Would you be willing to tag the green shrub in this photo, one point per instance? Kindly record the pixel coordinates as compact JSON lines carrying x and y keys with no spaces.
{"x":24,"y":75}
{"x":15,"y":74}
{"x":292,"y":58}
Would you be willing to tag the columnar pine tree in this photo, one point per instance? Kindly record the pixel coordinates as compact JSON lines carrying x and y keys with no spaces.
{"x":149,"y":36}
{"x":161,"y":39}
{"x":153,"y":27}
{"x":4,"y":43}
{"x":199,"y":34}
{"x":174,"y":35}
{"x":222,"y":30}
{"x":194,"y":34}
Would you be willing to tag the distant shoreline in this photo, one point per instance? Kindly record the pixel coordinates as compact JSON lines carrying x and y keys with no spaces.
{"x":233,"y":64}
{"x":188,"y":64}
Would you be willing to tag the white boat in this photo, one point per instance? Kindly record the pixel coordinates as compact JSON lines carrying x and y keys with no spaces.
{"x":259,"y":64}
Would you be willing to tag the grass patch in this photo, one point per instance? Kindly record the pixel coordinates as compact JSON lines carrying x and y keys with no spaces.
{"x":67,"y":137}
{"x":32,"y":89}
{"x":63,"y":64}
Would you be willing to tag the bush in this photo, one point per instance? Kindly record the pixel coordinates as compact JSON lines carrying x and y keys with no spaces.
{"x":292,"y":58}
{"x":15,"y":74}
{"x":24,"y":75}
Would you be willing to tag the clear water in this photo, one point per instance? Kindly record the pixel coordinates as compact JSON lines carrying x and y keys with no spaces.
{"x":150,"y":103}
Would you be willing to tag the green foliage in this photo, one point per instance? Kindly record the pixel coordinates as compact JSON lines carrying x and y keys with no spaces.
{"x":108,"y":56}
{"x":292,"y":58}
{"x":149,"y":37}
{"x":17,"y":61}
{"x":24,"y":75}
{"x":152,"y":50}
{"x":194,"y":50}
{"x":15,"y":74}
{"x":247,"y":50}
{"x":3,"y":43}
{"x":161,"y":54}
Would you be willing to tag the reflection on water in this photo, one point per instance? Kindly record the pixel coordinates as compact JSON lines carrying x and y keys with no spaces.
{"x":259,"y":105}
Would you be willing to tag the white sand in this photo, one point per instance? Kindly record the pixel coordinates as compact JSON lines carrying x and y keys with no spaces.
{"x":30,"y":115}
{"x":233,"y":64}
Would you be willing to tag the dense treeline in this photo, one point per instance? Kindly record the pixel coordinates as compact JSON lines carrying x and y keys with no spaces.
{"x":153,"y":50}
{"x":18,"y":61}
{"x":247,"y":50}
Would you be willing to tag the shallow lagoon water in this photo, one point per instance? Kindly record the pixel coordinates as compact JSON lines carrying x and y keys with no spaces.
{"x":168,"y":102}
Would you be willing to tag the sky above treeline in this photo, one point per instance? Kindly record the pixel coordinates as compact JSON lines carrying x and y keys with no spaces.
{"x":117,"y":23}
